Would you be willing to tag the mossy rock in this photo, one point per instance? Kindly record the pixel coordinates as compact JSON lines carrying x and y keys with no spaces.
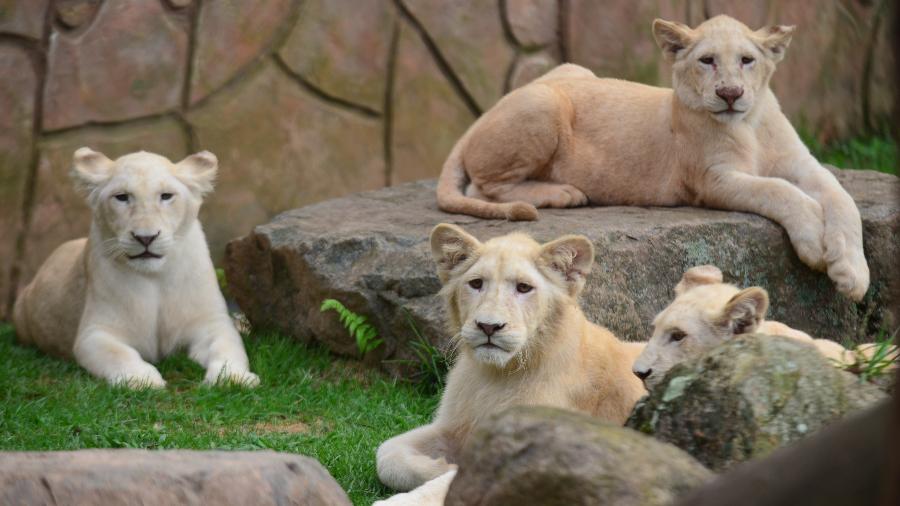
{"x":748,"y":397}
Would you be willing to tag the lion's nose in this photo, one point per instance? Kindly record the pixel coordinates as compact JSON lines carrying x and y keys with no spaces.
{"x":490,"y":328}
{"x":642,"y":375}
{"x":730,"y":94}
{"x":146,"y":240}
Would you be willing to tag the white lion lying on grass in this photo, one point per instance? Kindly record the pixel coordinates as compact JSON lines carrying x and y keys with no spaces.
{"x":523,"y":340}
{"x":706,"y":312}
{"x":141,"y":284}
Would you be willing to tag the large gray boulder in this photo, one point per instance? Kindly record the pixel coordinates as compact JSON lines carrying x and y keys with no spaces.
{"x":370,"y":250}
{"x":546,"y":456}
{"x":93,"y":477}
{"x":747,"y":398}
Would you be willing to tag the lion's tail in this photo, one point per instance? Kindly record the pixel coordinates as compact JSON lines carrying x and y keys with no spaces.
{"x":451,"y":198}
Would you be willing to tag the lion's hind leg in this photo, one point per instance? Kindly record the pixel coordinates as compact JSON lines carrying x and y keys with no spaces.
{"x":537,"y":193}
{"x":407,"y":461}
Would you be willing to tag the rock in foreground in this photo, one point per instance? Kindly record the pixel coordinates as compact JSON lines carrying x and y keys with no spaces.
{"x":545,"y":456}
{"x":748,"y":397}
{"x":90,"y":477}
{"x":371,"y":252}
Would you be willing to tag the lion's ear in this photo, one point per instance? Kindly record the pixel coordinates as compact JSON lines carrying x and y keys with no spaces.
{"x":198,"y":172}
{"x":745,"y":311}
{"x":90,"y":169}
{"x":775,"y":39}
{"x":672,"y":37}
{"x":572,"y":257}
{"x":450,"y":247}
{"x":696,"y":276}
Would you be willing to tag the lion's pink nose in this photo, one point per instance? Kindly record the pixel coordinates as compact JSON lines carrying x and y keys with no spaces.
{"x":730,"y":94}
{"x":490,"y":328}
{"x":146,"y":240}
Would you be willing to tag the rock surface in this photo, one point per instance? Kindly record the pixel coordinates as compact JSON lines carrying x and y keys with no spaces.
{"x":470,"y":36}
{"x":16,"y":132}
{"x":370,"y":251}
{"x":545,"y":456}
{"x":747,"y":398}
{"x":345,"y":56}
{"x":230,"y":35}
{"x":266,"y":170}
{"x":90,"y":477}
{"x":23,"y":18}
{"x":421,"y":91}
{"x":129,"y":62}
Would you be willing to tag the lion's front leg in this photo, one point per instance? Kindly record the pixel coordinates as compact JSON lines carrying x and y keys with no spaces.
{"x":413,"y":458}
{"x":843,"y":238}
{"x":217,"y":346}
{"x":106,"y":356}
{"x":776,"y":199}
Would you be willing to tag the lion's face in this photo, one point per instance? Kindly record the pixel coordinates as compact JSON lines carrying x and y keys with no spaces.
{"x":721,"y":67}
{"x":705,"y":313}
{"x":503,"y":292}
{"x":142,"y":203}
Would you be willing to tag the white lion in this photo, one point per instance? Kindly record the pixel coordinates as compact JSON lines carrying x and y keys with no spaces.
{"x":142,"y":283}
{"x":707,"y":312}
{"x":513,"y":307}
{"x":719,"y":140}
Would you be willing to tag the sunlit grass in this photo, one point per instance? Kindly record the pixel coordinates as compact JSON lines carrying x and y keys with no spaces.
{"x":309,"y":403}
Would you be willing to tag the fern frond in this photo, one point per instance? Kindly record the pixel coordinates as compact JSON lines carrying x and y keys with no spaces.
{"x":357,"y":326}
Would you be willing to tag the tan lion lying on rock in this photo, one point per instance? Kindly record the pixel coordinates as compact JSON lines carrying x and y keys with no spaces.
{"x":523,"y":340}
{"x":141,"y":284}
{"x":719,"y":140}
{"x":706,"y":312}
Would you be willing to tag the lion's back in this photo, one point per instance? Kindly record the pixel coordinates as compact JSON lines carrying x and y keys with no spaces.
{"x":48,"y":310}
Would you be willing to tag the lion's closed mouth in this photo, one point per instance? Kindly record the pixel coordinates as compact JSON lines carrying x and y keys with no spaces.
{"x":145,"y":254}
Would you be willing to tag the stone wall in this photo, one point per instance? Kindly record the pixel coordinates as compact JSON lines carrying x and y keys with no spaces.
{"x":307,"y":100}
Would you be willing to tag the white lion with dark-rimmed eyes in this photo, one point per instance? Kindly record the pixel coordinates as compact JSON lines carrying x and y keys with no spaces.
{"x":142,"y":284}
{"x":512,"y":305}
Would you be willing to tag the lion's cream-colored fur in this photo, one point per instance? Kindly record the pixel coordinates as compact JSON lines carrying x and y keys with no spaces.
{"x":522,"y":339}
{"x":142,"y":283}
{"x":719,"y":139}
{"x":706,"y":312}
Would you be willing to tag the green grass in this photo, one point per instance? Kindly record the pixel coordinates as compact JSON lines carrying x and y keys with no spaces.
{"x":872,"y":152}
{"x":309,"y":403}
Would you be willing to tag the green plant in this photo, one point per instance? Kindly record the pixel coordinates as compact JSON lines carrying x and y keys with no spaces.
{"x":357,"y":325}
{"x":875,"y":361}
{"x":223,"y":283}
{"x":432,"y":364}
{"x":873,"y":152}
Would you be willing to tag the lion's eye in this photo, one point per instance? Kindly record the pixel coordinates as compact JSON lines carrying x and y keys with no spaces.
{"x":524,"y":288}
{"x":747,"y":60}
{"x":707,"y":60}
{"x":677,"y":335}
{"x":166,"y":196}
{"x":122,"y":197}
{"x":476,"y":283}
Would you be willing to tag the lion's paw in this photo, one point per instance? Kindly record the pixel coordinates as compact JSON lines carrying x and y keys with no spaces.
{"x":808,"y":237}
{"x":224,"y":376}
{"x":145,"y":376}
{"x":572,"y":197}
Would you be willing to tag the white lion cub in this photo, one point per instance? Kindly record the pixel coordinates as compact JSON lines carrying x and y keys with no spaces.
{"x":717,"y":139}
{"x":706,"y":312}
{"x":142,"y":283}
{"x":513,"y":307}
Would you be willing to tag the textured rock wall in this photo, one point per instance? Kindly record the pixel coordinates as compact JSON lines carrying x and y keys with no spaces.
{"x":307,"y":100}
